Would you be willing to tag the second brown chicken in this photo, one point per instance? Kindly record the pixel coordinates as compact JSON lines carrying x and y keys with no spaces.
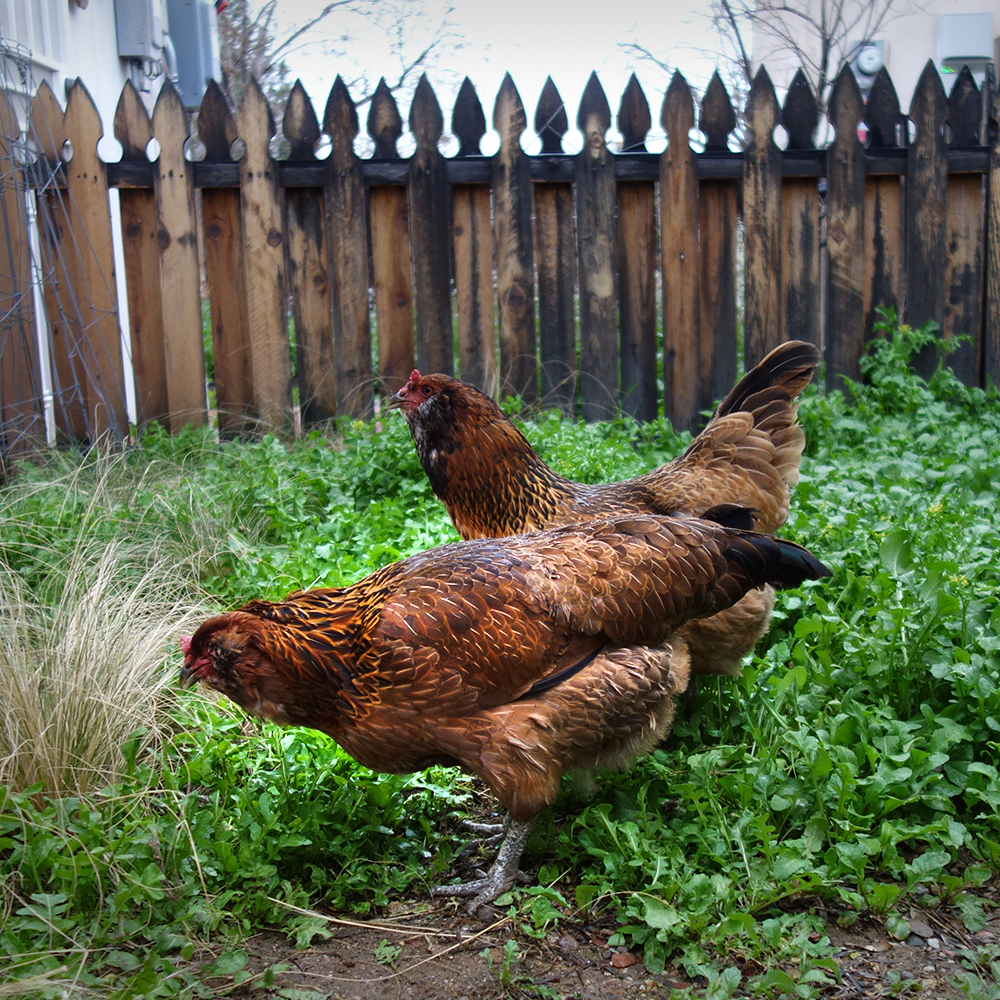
{"x":494,"y":484}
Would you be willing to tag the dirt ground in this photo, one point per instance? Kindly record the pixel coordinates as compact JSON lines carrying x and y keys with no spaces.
{"x":440,"y":957}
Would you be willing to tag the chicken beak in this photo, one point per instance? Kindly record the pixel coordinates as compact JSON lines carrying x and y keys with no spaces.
{"x":395,"y":401}
{"x":193,"y":670}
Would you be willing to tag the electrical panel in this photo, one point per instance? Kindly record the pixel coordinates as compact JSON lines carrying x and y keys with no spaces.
{"x":195,"y":37}
{"x":140,"y":28}
{"x":963,"y":40}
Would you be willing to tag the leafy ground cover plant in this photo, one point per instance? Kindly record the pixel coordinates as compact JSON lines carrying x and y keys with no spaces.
{"x":854,"y":765}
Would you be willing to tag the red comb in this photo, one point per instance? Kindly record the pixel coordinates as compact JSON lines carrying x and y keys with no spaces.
{"x":414,"y":375}
{"x":185,"y":644}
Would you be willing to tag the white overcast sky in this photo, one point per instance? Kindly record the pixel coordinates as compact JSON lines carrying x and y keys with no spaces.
{"x":531,"y":39}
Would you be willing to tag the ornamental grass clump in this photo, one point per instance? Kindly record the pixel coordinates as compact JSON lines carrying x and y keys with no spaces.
{"x":88,"y":617}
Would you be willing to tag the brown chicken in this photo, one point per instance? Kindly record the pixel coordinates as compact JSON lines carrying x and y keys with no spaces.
{"x":493,"y":484}
{"x":515,"y":658}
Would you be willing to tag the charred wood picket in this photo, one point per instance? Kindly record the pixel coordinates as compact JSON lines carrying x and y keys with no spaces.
{"x":991,"y":345}
{"x":685,"y":363}
{"x":845,"y":215}
{"x":762,"y":175}
{"x":926,"y":205}
{"x":430,"y":233}
{"x":800,"y":221}
{"x":473,"y":248}
{"x":307,"y":268}
{"x":512,"y":235}
{"x":718,"y":225}
{"x":597,"y":243}
{"x":883,"y":203}
{"x":347,"y":235}
{"x":531,"y":274}
{"x":555,"y":260}
{"x":637,"y":264}
{"x":390,"y":236}
{"x":964,"y":234}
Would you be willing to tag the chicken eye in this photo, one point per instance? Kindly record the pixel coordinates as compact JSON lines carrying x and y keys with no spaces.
{"x":426,"y":390}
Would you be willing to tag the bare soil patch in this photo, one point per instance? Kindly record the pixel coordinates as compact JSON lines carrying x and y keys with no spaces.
{"x":441,"y":957}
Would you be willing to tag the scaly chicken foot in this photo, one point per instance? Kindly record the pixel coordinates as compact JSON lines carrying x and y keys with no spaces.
{"x":491,"y":833}
{"x":501,"y":875}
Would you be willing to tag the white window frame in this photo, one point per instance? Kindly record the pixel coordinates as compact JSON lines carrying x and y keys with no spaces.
{"x":40,"y":48}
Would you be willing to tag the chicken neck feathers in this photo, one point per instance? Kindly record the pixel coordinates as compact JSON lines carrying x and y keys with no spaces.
{"x":493,"y":483}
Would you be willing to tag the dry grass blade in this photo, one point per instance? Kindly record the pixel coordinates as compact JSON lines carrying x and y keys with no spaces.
{"x":49,"y":982}
{"x":83,"y":656}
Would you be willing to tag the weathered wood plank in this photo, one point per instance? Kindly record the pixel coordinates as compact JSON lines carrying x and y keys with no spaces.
{"x":800,"y":223}
{"x":883,"y":207}
{"x":718,"y":215}
{"x":307,"y":269}
{"x":473,"y":248}
{"x":474,"y":286}
{"x":390,"y":234}
{"x":686,"y":366}
{"x":430,"y":233}
{"x":964,"y":236}
{"x":963,"y":309}
{"x":142,"y":265}
{"x":347,"y":242}
{"x":393,"y":287}
{"x":597,"y":247}
{"x":800,"y":260}
{"x":47,"y":131}
{"x":991,"y":336}
{"x":845,"y":304}
{"x":514,"y":251}
{"x":718,"y":202}
{"x":264,"y":241}
{"x":226,"y":275}
{"x":637,"y":265}
{"x":90,"y":264}
{"x":555,"y":258}
{"x":926,"y":200}
{"x":22,"y":426}
{"x":762,"y":174}
{"x":173,"y":183}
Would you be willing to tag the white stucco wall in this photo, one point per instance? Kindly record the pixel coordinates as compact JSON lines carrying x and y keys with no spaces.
{"x":910,"y":34}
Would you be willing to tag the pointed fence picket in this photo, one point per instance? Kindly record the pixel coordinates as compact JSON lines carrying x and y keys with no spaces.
{"x":883,"y":201}
{"x":636,"y":265}
{"x":545,"y":275}
{"x":555,"y":260}
{"x":390,"y":236}
{"x":472,"y":234}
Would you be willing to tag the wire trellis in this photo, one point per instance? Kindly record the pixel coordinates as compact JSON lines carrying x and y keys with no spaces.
{"x":52,"y":325}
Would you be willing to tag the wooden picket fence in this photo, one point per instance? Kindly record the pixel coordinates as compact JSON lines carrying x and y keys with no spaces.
{"x":523,"y":274}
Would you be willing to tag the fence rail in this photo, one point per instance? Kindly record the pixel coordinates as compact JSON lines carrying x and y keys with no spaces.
{"x":546,"y":275}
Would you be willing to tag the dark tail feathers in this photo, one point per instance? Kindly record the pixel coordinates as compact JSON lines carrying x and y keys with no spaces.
{"x":797,"y":564}
{"x":732,"y":515}
{"x":793,"y":362}
{"x":776,"y":561}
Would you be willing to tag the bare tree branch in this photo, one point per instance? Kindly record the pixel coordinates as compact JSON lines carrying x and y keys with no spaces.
{"x":820,"y":35}
{"x":416,"y":31}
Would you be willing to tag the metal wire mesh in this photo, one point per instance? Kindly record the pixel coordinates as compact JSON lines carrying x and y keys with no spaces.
{"x":53,"y":327}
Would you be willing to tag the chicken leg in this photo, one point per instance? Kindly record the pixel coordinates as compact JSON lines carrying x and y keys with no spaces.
{"x":501,"y":875}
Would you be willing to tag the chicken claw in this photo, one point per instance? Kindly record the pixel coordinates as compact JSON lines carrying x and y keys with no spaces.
{"x":500,"y":877}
